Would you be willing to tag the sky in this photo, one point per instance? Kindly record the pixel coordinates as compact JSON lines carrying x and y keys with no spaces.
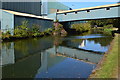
{"x":76,"y":4}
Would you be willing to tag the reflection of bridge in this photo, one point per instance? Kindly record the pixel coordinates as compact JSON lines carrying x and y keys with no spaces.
{"x":10,"y":57}
{"x":99,"y":12}
{"x":88,"y":56}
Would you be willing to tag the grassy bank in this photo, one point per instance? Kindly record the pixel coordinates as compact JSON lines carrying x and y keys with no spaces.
{"x":108,"y":67}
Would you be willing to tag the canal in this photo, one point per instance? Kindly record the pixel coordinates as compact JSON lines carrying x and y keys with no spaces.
{"x":73,"y":56}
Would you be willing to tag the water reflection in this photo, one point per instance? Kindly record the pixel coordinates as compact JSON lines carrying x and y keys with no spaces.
{"x":86,"y":56}
{"x":91,"y":45}
{"x":47,"y":65}
{"x":83,"y":44}
{"x":62,"y":67}
{"x":52,"y":57}
{"x":7,"y":53}
{"x":93,"y":42}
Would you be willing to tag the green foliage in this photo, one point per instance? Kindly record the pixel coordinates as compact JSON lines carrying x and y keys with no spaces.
{"x":108,"y":30}
{"x":97,"y":22}
{"x":108,"y":26}
{"x":81,"y":27}
{"x":103,"y":22}
{"x":22,"y":30}
{"x":48,"y":31}
{"x":35,"y":30}
{"x":6,"y":35}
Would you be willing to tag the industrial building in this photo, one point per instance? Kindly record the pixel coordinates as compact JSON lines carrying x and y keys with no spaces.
{"x":52,"y":7}
{"x":24,"y":7}
{"x":13,"y":13}
{"x":12,"y":19}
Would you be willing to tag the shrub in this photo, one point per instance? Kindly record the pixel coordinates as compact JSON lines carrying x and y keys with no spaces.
{"x":108,"y":30}
{"x":81,"y":27}
{"x":108,"y":26}
{"x":48,"y":31}
{"x":22,"y":30}
{"x":6,"y":35}
{"x":35,"y":30}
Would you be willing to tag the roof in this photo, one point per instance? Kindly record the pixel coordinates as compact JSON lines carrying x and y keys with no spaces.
{"x":26,"y":15}
{"x":81,"y":9}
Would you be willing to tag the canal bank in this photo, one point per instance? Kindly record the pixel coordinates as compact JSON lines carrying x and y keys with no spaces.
{"x":108,"y":66}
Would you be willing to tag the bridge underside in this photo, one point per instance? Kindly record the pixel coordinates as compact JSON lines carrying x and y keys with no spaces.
{"x":67,"y":24}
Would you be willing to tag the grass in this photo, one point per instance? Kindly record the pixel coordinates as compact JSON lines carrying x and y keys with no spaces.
{"x":109,"y":65}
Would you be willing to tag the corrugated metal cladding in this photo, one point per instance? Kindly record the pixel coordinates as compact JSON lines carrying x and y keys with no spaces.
{"x":43,"y":23}
{"x":53,"y":6}
{"x":25,"y":7}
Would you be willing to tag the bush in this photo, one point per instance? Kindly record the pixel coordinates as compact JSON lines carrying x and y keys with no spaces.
{"x":48,"y":31}
{"x":108,"y":26}
{"x":22,"y":30}
{"x":35,"y":30}
{"x":6,"y":35}
{"x":108,"y":30}
{"x":81,"y":27}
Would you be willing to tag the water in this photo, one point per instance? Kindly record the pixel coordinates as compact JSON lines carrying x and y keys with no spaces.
{"x":74,"y":56}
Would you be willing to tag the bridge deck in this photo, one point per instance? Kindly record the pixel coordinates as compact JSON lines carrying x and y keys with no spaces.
{"x":89,"y":8}
{"x":92,"y":13}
